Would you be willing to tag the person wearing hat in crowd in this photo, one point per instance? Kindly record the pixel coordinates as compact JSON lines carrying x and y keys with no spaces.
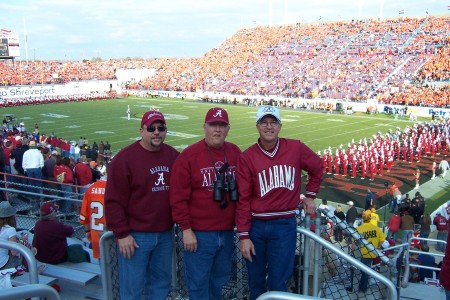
{"x":137,"y":210}
{"x":206,"y":213}
{"x":376,"y":237}
{"x":8,"y":258}
{"x":50,"y":236}
{"x":269,"y":177}
{"x":32,"y":164}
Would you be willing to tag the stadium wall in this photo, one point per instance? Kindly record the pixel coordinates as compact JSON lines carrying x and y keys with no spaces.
{"x":54,"y":90}
{"x":298,"y":103}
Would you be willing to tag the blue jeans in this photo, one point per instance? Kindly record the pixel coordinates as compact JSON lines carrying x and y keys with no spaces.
{"x":424,"y":234}
{"x":273,"y":264}
{"x":66,"y":206}
{"x":37,"y":174}
{"x":148,"y":273}
{"x":442,"y":236}
{"x":209,"y":268}
{"x":364,"y":282}
{"x":406,"y":234}
{"x":447,"y":294}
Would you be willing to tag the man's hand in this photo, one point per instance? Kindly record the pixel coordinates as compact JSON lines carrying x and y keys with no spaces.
{"x":127,"y":245}
{"x":309,"y":205}
{"x":189,"y":240}
{"x":247,"y":249}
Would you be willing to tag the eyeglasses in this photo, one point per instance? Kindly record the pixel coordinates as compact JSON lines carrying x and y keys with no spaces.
{"x":153,"y":128}
{"x":266,"y":124}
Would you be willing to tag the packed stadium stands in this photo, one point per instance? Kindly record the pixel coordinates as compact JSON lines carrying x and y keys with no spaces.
{"x":390,"y":60}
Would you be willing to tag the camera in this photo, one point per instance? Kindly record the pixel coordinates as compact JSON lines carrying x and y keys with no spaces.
{"x":225,"y":183}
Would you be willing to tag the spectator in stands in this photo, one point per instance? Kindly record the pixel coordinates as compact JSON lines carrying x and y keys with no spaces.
{"x":426,"y":260}
{"x":7,"y":150}
{"x":350,"y":217}
{"x":394,"y":225}
{"x":92,"y":214}
{"x":337,"y":231}
{"x":206,"y":218}
{"x":96,"y":174}
{"x":63,"y":174}
{"x":441,"y":224}
{"x":32,"y":164}
{"x":375,"y":217}
{"x":8,"y":258}
{"x":425,"y":227}
{"x":137,"y":210}
{"x":407,"y":227}
{"x":83,"y":174}
{"x":50,"y":236}
{"x":376,"y":237}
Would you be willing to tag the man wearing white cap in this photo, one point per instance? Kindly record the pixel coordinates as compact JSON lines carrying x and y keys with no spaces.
{"x":269,"y":177}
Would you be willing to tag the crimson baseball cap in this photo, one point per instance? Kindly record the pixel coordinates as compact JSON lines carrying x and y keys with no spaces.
{"x":217,"y":114}
{"x":48,"y":208}
{"x":151,"y":117}
{"x":268,"y":110}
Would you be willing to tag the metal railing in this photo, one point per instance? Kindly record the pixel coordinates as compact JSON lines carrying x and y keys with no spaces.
{"x":32,"y":270}
{"x":30,"y":290}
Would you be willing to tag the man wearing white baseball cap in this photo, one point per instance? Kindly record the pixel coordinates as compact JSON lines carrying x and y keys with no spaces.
{"x":269,"y":176}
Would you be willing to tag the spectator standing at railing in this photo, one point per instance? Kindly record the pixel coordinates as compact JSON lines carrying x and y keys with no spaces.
{"x":394,"y":225}
{"x":376,"y":237}
{"x":83,"y":174}
{"x":7,"y":149}
{"x":407,"y":227}
{"x":337,"y":231}
{"x":350,"y":217}
{"x":441,"y":223}
{"x":269,"y":176}
{"x":137,"y":210}
{"x":32,"y":164}
{"x":425,"y":227}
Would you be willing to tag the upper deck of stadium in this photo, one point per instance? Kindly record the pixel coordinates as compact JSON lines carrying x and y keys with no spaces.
{"x":389,"y":60}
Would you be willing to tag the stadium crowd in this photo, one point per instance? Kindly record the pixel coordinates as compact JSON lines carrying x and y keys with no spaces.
{"x":355,"y":60}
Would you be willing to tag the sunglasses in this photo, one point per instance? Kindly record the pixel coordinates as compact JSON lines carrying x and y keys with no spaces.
{"x":153,"y":128}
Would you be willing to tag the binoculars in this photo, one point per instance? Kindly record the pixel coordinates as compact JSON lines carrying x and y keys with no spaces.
{"x":225,"y":183}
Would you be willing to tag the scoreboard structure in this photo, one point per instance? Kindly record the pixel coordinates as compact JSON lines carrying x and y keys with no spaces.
{"x":9,"y":46}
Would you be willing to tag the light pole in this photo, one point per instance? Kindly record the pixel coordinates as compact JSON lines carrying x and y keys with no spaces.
{"x":34,"y":54}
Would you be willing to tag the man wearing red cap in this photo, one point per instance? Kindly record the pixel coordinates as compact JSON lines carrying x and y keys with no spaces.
{"x":50,"y":236}
{"x":203,"y":196}
{"x":138,"y":211}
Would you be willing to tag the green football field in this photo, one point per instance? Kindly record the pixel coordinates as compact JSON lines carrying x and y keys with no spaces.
{"x":106,"y":120}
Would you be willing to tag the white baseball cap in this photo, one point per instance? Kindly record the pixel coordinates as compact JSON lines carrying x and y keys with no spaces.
{"x":268,"y":110}
{"x":350,"y":203}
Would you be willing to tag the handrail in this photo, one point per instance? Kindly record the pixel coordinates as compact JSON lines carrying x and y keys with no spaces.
{"x":33,"y":290}
{"x":356,"y":235}
{"x":29,"y":257}
{"x":27,"y":254}
{"x":390,"y":286}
